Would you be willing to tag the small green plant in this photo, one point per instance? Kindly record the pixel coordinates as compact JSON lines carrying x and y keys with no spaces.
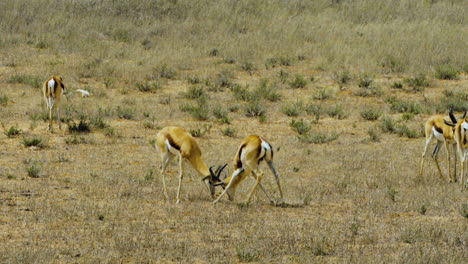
{"x":323,"y":94}
{"x":301,"y":127}
{"x":4,"y":100}
{"x":244,"y":94}
{"x":397,"y":85}
{"x":254,"y":109}
{"x":34,"y":170}
{"x":337,"y":111}
{"x":34,"y":141}
{"x":401,"y":106}
{"x":342,"y":78}
{"x":148,"y":86}
{"x":298,"y":82}
{"x":447,"y":72}
{"x":125,"y":113}
{"x":292,"y":109}
{"x":149,"y":176}
{"x":371,"y":114}
{"x":464,"y":210}
{"x":388,"y":125}
{"x":195,"y":92}
{"x":315,"y":110}
{"x":75,"y":140}
{"x":166,"y":72}
{"x":83,"y":126}
{"x":12,"y":131}
{"x":423,"y":208}
{"x":221,"y":114}
{"x":200,"y":131}
{"x":30,"y":80}
{"x":365,"y":82}
{"x":229,"y":132}
{"x":193,"y":80}
{"x":404,"y":131}
{"x":247,"y":66}
{"x":317,"y":138}
{"x":214,"y":52}
{"x":283,"y":76}
{"x":374,"y":135}
{"x":417,"y":82}
{"x":392,"y":193}
{"x":269,"y":92}
{"x":247,"y":254}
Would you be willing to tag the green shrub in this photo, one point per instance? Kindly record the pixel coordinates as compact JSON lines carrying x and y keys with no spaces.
{"x":214,"y":52}
{"x":34,"y":170}
{"x":388,"y":125}
{"x":82,"y":127}
{"x":397,"y":85}
{"x":148,"y":86}
{"x":33,"y":141}
{"x":254,"y":109}
{"x":269,"y":92}
{"x":417,"y":82}
{"x":323,"y":94}
{"x":244,"y":94}
{"x":34,"y":81}
{"x":373,"y":135}
{"x":315,"y":110}
{"x":337,"y":111}
{"x":4,"y":100}
{"x":401,"y":106}
{"x":166,"y":72}
{"x":292,"y":109}
{"x":301,"y":126}
{"x":298,"y":82}
{"x":12,"y":132}
{"x":371,"y":114}
{"x":247,"y":66}
{"x":317,"y":138}
{"x":447,"y":72}
{"x":223,"y":80}
{"x":365,"y":82}
{"x":75,"y":140}
{"x":195,"y":92}
{"x":229,"y":132}
{"x":125,"y":112}
{"x":342,"y":78}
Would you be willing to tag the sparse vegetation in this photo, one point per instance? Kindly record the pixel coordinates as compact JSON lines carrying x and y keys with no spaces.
{"x":298,"y":82}
{"x":371,"y":114}
{"x":292,"y":109}
{"x":447,"y":72}
{"x":34,"y":141}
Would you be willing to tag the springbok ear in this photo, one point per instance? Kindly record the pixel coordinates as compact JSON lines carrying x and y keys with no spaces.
{"x":448,"y":123}
{"x":452,"y":117}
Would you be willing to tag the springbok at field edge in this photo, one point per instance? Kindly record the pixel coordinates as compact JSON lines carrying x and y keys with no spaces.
{"x":172,"y":141}
{"x":461,"y":139}
{"x":251,"y":152}
{"x":53,"y":89}
{"x":437,"y":128}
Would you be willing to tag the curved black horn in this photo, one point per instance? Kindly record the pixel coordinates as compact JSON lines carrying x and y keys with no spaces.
{"x":448,"y":123}
{"x":464,"y":115}
{"x":220,"y":169}
{"x":211,"y":170}
{"x":206,"y":178}
{"x":452,"y":117}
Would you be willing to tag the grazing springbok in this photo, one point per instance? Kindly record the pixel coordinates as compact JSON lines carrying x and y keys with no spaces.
{"x":251,"y":152}
{"x":437,"y":128}
{"x":53,"y":90}
{"x":461,"y":138}
{"x":173,"y":140}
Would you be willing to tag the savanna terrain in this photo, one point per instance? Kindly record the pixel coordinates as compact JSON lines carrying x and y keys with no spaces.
{"x":341,"y":89}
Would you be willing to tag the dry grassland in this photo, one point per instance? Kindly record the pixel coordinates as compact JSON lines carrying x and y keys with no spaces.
{"x":352,"y":192}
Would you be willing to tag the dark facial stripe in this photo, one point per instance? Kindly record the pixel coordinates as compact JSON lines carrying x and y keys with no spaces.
{"x":172,"y":142}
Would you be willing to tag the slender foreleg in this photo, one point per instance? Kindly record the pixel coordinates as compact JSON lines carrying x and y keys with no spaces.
{"x":181,"y":176}
{"x":233,"y":177}
{"x":166,"y":158}
{"x":448,"y":160}
{"x":428,"y":141}
{"x":277,"y":179}
{"x":434,"y":157}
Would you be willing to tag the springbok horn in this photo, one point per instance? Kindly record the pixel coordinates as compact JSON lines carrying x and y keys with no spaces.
{"x":211,"y":171}
{"x":464,"y":114}
{"x":452,"y":117}
{"x":448,"y":123}
{"x":205,"y":178}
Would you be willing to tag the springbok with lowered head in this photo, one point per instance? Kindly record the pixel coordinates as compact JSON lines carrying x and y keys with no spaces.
{"x":251,"y":152}
{"x":53,"y":89}
{"x":437,"y":128}
{"x":172,"y":141}
{"x":461,"y":138}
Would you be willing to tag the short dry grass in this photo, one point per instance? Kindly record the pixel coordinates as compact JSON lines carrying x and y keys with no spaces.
{"x":96,"y":196}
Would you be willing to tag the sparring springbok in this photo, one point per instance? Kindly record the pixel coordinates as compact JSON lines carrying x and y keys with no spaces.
{"x":251,"y":152}
{"x":461,"y":138}
{"x":173,"y":140}
{"x":436,"y":127}
{"x":53,"y":90}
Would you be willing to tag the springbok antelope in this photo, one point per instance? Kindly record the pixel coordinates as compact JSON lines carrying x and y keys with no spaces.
{"x":251,"y":152}
{"x":53,"y":89}
{"x":436,"y":127}
{"x":461,"y":138}
{"x":173,"y":140}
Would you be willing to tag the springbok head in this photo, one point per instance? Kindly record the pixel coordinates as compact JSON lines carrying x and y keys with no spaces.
{"x":214,"y":179}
